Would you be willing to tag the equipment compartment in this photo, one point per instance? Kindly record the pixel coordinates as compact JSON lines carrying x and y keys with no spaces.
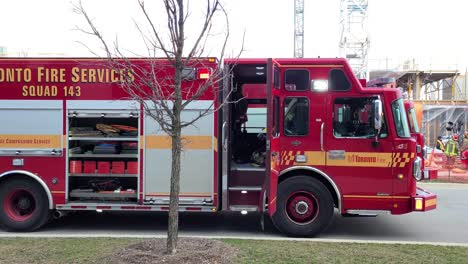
{"x":103,"y":154}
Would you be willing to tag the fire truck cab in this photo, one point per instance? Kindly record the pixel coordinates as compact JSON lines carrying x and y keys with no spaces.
{"x":295,"y":139}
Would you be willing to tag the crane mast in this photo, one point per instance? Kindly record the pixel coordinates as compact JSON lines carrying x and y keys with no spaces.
{"x":354,"y":40}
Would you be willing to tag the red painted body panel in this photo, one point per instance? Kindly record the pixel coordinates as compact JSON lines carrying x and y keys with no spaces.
{"x":47,"y":168}
{"x":87,"y":79}
{"x":31,"y":78}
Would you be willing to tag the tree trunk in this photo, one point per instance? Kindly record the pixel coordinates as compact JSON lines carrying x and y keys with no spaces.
{"x":173,"y":224}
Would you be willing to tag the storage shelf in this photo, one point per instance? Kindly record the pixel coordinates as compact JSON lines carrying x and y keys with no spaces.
{"x":101,"y":175}
{"x":74,"y":194}
{"x":71,"y":155}
{"x":103,"y":138}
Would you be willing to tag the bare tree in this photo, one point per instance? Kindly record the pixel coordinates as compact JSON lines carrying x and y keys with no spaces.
{"x":165,"y":100}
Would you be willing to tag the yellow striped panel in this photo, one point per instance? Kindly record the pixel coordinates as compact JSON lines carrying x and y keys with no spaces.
{"x":188,"y":142}
{"x":349,"y":159}
{"x":363,"y":159}
{"x":431,"y":202}
{"x":314,"y":158}
{"x":31,"y":141}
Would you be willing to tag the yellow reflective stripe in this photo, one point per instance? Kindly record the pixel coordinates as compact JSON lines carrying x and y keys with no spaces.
{"x":350,"y":159}
{"x":431,"y":202}
{"x":188,"y":142}
{"x":31,"y":141}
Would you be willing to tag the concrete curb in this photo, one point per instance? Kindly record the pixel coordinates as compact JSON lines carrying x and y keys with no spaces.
{"x":321,"y":240}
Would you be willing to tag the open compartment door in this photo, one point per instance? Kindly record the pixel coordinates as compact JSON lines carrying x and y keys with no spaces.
{"x":268,"y":196}
{"x":225,"y":137}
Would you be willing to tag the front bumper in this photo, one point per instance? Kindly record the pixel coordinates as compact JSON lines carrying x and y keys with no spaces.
{"x":424,"y":200}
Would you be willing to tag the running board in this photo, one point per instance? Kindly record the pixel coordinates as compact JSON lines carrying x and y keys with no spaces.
{"x":359,"y":215}
{"x":364,"y":213}
{"x":240,"y":208}
{"x":246,"y":188}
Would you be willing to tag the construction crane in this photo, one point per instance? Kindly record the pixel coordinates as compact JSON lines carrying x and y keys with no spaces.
{"x":298,"y":28}
{"x":354,"y":40}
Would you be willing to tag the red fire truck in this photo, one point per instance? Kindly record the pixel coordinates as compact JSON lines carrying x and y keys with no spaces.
{"x":300,"y":139}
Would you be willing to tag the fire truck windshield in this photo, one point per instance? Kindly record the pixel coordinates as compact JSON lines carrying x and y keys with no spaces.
{"x":413,"y":122}
{"x":400,"y":119}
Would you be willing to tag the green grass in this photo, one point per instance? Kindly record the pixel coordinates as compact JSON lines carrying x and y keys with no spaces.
{"x":315,"y":252}
{"x":95,"y":250}
{"x":59,"y":250}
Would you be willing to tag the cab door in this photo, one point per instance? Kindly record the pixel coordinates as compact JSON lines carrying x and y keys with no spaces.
{"x":272,"y":168}
{"x":303,"y":116}
{"x":358,"y":159}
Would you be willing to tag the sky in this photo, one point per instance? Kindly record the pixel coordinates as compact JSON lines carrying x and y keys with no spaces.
{"x":433,"y":32}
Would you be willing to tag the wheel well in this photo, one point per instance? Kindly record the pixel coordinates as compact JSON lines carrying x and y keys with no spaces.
{"x":315,"y":175}
{"x":18,"y":175}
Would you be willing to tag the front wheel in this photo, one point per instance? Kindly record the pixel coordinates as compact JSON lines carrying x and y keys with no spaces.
{"x":304,"y":207}
{"x":23,"y":205}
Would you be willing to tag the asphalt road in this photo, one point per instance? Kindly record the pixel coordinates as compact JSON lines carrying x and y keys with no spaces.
{"x":447,"y":224}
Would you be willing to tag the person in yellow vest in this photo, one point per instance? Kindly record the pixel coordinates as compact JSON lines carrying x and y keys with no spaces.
{"x":439,"y":144}
{"x":451,"y":149}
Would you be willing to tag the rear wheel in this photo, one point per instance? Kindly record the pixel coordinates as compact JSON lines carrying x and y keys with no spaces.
{"x":304,"y":207}
{"x":24,"y":205}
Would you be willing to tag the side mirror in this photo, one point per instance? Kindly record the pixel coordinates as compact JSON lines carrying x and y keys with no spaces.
{"x":377,"y":107}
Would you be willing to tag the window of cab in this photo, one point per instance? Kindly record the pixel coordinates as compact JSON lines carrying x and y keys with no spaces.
{"x":354,"y":118}
{"x":296,"y":116}
{"x":338,"y":81}
{"x":296,"y":80}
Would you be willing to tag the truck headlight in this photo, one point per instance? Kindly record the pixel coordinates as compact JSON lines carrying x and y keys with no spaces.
{"x":417,"y":174}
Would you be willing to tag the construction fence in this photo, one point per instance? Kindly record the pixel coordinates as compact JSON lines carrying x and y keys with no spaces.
{"x":442,"y":122}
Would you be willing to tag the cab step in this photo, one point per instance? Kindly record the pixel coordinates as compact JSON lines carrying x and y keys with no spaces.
{"x":364,"y":213}
{"x":246,"y":188}
{"x":240,"y":208}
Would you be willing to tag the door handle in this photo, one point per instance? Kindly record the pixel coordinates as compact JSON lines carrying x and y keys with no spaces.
{"x":225,"y":141}
{"x":296,"y":143}
{"x":321,"y":137}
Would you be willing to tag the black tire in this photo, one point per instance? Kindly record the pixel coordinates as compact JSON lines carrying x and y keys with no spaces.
{"x":304,"y":207}
{"x":24,"y":205}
